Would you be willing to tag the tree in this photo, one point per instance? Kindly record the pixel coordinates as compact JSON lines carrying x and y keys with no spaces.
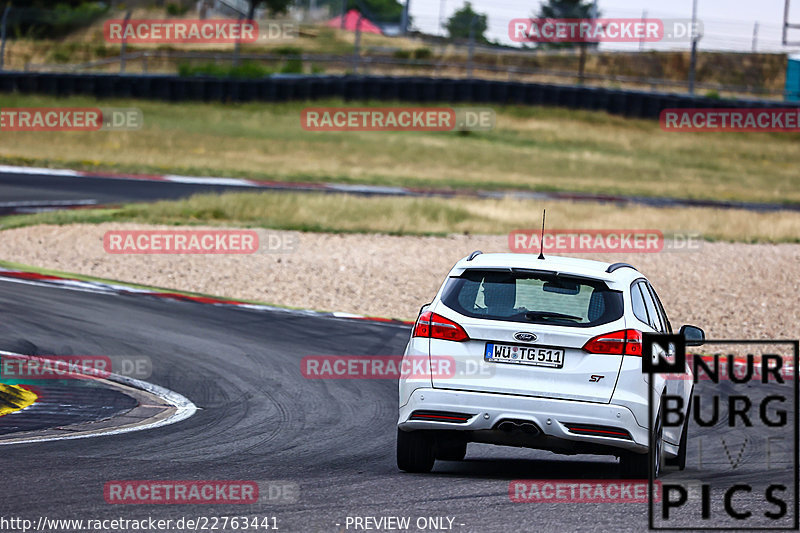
{"x":45,"y":4}
{"x":277,"y":6}
{"x":379,"y":10}
{"x":273,"y":6}
{"x":466,"y":19}
{"x":566,"y":9}
{"x":375,"y":10}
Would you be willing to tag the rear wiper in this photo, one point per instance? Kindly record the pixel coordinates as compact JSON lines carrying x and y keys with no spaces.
{"x":538,"y":315}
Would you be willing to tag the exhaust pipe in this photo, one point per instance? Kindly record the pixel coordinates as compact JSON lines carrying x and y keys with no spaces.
{"x":507,"y":426}
{"x":519,"y":425}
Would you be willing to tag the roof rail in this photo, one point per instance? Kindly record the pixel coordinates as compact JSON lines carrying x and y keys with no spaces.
{"x":473,"y":255}
{"x":616,"y":266}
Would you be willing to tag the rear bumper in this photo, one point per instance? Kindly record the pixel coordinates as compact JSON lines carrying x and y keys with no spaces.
{"x":550,"y":415}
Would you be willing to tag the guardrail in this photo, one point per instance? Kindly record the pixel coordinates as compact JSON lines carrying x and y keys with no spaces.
{"x":288,"y":87}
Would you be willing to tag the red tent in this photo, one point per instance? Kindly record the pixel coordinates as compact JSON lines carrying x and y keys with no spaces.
{"x":350,"y":21}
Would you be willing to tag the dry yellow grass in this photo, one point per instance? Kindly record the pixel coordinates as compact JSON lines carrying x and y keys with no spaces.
{"x":422,"y":216}
{"x":530,"y":148}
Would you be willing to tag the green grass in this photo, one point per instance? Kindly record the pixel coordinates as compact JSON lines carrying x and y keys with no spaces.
{"x":246,"y":70}
{"x":531,"y":148}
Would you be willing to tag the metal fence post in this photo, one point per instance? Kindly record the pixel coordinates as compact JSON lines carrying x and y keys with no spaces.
{"x":693,"y":54}
{"x":471,"y":51}
{"x":124,"y":42}
{"x":3,"y":36}
{"x":237,"y":47}
{"x":404,"y":18}
{"x":641,"y":41}
{"x":357,"y":45}
{"x":581,"y":61}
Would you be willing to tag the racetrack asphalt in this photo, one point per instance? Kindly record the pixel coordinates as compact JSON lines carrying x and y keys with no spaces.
{"x":25,"y":190}
{"x":260,"y":420}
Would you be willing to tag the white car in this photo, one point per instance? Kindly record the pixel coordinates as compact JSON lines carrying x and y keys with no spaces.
{"x":541,"y":353}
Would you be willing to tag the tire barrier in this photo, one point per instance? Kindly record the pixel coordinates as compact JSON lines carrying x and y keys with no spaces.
{"x":282,"y":88}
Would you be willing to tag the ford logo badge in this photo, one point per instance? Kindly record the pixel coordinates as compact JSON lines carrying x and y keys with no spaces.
{"x":524,"y":336}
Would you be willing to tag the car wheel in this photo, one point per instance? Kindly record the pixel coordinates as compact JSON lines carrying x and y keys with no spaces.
{"x":634,"y":465}
{"x":680,"y":459}
{"x":414,"y":451}
{"x":637,"y":465}
{"x":451,"y":451}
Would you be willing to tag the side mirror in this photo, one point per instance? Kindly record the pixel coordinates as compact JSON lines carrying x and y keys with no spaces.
{"x":694,"y":336}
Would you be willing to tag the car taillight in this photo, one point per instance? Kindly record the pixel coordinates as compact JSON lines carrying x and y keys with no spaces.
{"x":626,"y":341}
{"x":438,"y":327}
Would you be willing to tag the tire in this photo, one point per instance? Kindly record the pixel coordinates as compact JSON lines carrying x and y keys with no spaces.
{"x":414,"y":451}
{"x":634,"y":465}
{"x":637,"y":465}
{"x":680,"y":459}
{"x":451,"y":451}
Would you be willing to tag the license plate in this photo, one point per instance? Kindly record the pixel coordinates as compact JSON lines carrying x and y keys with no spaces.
{"x":524,"y":355}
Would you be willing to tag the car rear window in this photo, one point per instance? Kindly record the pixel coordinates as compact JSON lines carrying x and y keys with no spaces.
{"x":533,"y":298}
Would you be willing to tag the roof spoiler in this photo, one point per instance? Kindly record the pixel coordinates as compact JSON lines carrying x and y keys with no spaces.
{"x":617,"y":266}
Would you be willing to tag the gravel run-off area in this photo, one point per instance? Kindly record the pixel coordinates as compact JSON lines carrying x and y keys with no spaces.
{"x":732,"y":290}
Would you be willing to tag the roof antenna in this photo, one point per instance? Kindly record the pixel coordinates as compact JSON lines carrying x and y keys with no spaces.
{"x":541,"y":242}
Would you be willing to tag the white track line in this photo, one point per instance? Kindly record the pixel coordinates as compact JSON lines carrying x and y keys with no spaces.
{"x":9,"y":169}
{"x":197,"y":180}
{"x":49,"y":203}
{"x":97,"y":287}
{"x":184,"y":408}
